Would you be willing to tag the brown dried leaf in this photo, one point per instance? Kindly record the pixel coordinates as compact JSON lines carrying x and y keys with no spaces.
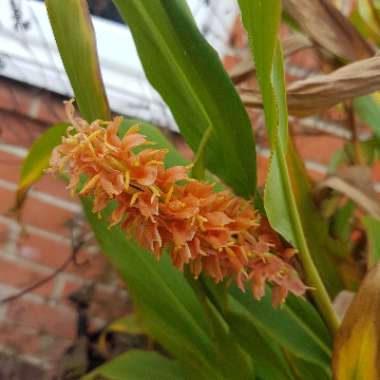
{"x":329,"y":28}
{"x":357,"y":342}
{"x":314,"y":94}
{"x":355,"y":183}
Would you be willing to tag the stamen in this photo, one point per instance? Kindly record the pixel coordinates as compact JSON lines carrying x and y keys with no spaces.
{"x":169,"y":194}
{"x":90,"y":184}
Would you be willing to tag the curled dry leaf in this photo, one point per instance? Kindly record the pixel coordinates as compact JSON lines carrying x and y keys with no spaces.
{"x":357,"y":342}
{"x":312,"y":95}
{"x":245,"y":68}
{"x":355,"y":182}
{"x":329,"y":28}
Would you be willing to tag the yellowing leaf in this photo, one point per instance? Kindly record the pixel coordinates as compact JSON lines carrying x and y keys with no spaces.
{"x":37,"y":159}
{"x":357,"y":342}
{"x":369,"y":14}
{"x":124,"y":325}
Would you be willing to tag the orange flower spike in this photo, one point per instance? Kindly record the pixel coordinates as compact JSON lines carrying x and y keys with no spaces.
{"x":213,"y":232}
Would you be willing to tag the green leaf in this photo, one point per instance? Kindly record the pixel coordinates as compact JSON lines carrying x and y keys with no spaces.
{"x":372,"y":227}
{"x":267,"y":357}
{"x":37,"y":159}
{"x":234,"y":361}
{"x":74,"y":34}
{"x":368,"y":108}
{"x":138,"y":365}
{"x":188,"y":74}
{"x":296,"y":326}
{"x":306,"y":370}
{"x":287,"y":198}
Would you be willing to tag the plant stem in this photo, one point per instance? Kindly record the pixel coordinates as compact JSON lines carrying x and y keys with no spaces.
{"x":319,"y":292}
{"x":354,"y":133}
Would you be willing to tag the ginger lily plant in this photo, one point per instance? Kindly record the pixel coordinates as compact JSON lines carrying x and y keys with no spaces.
{"x":143,"y":204}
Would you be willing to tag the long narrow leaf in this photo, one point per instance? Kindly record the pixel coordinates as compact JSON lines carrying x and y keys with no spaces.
{"x":138,"y":365}
{"x":288,"y":327}
{"x":287,"y":198}
{"x":188,"y":74}
{"x":74,"y":34}
{"x":269,"y":362}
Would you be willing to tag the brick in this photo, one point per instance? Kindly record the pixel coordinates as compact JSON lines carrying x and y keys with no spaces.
{"x":109,"y":305}
{"x":23,"y":132}
{"x":238,"y":37}
{"x":54,"y":186}
{"x":93,"y":267}
{"x":53,"y":254}
{"x":28,"y":341}
{"x":21,"y":340}
{"x":20,"y":275}
{"x":43,"y":251}
{"x":10,"y":167}
{"x":46,"y":216}
{"x":69,"y":288}
{"x":319,"y":149}
{"x":55,"y":320}
{"x":50,"y":110}
{"x":229,"y":61}
{"x":4,"y":234}
{"x":7,"y":201}
{"x":262,"y":169}
{"x":15,"y":97}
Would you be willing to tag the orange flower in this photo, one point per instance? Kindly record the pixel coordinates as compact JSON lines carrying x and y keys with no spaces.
{"x":216,"y":233}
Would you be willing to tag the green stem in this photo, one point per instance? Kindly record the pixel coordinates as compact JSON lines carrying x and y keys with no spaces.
{"x":319,"y":292}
